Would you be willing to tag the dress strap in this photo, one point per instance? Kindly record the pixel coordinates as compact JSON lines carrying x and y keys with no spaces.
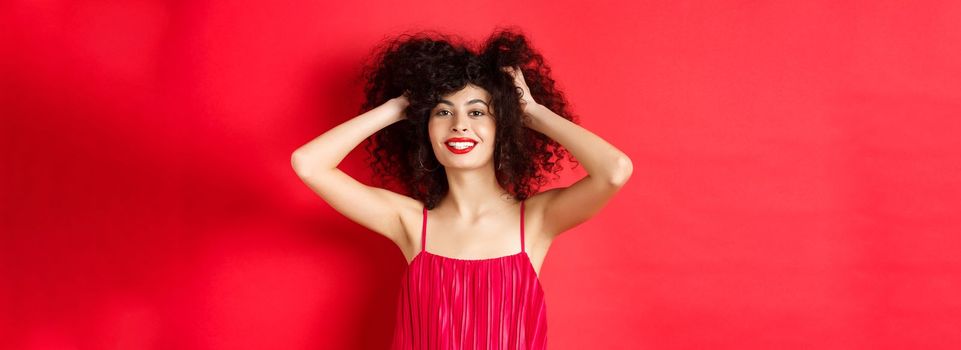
{"x":522,"y":226}
{"x":423,"y":232}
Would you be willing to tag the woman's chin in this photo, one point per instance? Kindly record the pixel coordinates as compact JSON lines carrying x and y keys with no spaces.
{"x":463,"y":166}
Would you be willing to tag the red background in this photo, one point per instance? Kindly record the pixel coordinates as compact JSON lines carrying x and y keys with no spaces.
{"x":796,"y":180}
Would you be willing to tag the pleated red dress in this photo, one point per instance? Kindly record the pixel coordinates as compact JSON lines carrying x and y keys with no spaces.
{"x":449,"y":303}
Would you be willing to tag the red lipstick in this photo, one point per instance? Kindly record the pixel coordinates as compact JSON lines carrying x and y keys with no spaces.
{"x":460,"y":141}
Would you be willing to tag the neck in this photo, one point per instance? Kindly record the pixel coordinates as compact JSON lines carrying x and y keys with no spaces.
{"x":475,"y":192}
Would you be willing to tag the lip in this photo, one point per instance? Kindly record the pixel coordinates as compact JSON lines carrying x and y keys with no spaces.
{"x":459,"y":139}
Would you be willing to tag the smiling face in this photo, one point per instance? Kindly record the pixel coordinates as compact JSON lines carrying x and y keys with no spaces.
{"x":463,"y":115}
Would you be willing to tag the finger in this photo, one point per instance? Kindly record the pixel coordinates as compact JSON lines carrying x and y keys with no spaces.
{"x":511,"y":69}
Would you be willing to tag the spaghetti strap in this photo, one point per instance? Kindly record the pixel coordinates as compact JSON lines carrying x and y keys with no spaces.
{"x":423,"y":232}
{"x":522,"y":226}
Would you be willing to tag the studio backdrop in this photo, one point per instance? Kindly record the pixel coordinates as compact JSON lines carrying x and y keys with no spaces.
{"x":795,"y":186}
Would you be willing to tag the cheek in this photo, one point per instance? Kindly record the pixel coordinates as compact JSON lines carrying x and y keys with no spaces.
{"x":436,"y":135}
{"x":487,"y":131}
{"x":434,"y":131}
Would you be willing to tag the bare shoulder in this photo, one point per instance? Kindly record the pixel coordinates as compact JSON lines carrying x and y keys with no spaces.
{"x":536,"y":205}
{"x":534,"y":209}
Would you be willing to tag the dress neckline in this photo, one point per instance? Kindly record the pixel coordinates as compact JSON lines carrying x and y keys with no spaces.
{"x":523,"y":252}
{"x":471,"y":260}
{"x":424,"y":252}
{"x":530,"y":264}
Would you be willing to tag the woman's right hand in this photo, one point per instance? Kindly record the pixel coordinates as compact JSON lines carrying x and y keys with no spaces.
{"x":400,"y":104}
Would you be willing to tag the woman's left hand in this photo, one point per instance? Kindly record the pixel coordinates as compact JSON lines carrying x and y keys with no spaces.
{"x":527,"y":101}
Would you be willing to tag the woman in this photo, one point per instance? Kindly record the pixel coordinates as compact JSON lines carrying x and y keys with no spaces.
{"x":470,"y":137}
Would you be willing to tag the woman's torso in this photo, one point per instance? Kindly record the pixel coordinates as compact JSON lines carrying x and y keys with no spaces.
{"x":475,"y":301}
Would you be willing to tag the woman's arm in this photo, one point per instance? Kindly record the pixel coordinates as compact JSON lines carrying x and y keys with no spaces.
{"x":600,"y":159}
{"x":316,"y":164}
{"x":325,"y":152}
{"x":607,"y":167}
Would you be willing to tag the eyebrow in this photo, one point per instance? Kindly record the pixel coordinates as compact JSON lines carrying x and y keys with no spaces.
{"x":476,"y":100}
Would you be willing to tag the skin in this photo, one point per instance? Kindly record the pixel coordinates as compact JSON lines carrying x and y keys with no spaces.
{"x":477,"y":219}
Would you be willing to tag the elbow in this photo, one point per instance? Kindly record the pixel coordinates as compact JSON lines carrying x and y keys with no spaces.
{"x":307,"y":165}
{"x":299,"y":163}
{"x":624,"y":170}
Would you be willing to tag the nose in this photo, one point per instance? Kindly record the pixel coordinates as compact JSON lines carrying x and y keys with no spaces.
{"x":460,"y":124}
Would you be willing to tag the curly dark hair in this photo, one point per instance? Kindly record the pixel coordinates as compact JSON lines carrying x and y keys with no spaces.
{"x":428,"y":65}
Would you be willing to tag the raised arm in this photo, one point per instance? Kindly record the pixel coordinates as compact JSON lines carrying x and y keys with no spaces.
{"x":316,"y":164}
{"x":607,"y":167}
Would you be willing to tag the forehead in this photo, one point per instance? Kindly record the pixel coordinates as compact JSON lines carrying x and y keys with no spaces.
{"x":469,"y":92}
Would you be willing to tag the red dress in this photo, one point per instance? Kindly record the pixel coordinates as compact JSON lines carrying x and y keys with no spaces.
{"x":449,"y":303}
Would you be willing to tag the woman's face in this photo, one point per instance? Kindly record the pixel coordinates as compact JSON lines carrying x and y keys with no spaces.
{"x":464,"y":114}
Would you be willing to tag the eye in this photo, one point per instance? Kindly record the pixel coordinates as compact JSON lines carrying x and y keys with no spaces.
{"x":445,"y":112}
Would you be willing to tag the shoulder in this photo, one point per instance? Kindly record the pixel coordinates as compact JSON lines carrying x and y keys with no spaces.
{"x":534,"y":209}
{"x":535,"y":205}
